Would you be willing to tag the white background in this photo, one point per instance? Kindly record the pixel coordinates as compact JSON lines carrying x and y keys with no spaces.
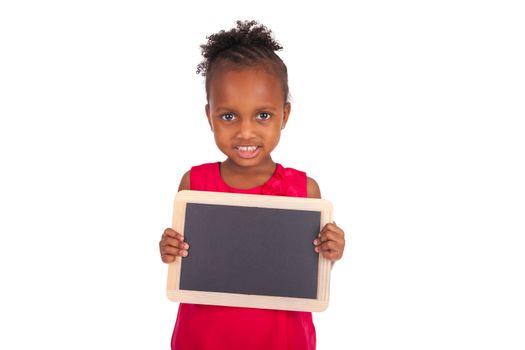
{"x":409,"y":114}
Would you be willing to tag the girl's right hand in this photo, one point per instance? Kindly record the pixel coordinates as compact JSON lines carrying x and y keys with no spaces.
{"x":172,"y":245}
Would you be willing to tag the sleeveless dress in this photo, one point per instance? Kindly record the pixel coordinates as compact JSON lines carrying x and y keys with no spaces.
{"x":205,"y":327}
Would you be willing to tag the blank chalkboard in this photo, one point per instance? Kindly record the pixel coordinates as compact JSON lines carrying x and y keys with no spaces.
{"x":250,"y":251}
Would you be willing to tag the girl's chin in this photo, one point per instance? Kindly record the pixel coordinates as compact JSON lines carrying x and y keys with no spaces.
{"x":258,"y":160}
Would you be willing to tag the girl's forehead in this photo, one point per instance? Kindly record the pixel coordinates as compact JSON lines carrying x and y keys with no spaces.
{"x":261,"y":74}
{"x":246,"y":81}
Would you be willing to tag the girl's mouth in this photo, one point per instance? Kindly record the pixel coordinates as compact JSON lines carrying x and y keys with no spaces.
{"x":247,"y":151}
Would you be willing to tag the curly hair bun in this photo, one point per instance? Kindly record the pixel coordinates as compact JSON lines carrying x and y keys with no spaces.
{"x":248,"y":44}
{"x":249,"y":41}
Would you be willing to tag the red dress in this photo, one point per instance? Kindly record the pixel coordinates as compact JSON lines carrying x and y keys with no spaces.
{"x":207,"y":327}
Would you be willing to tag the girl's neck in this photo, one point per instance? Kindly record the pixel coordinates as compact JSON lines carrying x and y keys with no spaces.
{"x":247,"y":177}
{"x":263,"y":167}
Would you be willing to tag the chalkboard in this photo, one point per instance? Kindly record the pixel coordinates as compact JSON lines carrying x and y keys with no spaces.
{"x":250,"y":251}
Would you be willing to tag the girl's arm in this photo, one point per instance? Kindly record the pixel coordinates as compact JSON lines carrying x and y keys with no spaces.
{"x":331,"y":239}
{"x":172,"y":243}
{"x":185,"y":182}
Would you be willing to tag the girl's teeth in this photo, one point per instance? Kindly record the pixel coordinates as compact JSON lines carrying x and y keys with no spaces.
{"x":248,"y":152}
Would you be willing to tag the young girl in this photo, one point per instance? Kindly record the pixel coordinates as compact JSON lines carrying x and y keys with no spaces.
{"x":247,"y":95}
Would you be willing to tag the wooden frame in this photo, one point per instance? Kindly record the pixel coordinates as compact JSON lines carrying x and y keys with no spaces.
{"x":243,"y":300}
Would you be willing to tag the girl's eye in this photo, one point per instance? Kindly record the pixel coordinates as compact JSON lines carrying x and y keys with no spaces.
{"x":228,"y":117}
{"x":264,"y":116}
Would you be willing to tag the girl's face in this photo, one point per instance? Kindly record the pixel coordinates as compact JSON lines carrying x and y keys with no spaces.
{"x":246,"y":111}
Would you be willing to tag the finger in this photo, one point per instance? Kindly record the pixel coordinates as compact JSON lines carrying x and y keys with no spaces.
{"x":323,"y":231}
{"x":176,"y":240}
{"x":333,"y":227}
{"x":167,"y":258}
{"x":329,"y":252}
{"x":169,"y":232}
{"x":172,"y":233}
{"x":327,"y":246}
{"x":173,"y":251}
{"x":332,"y":255}
{"x":170,"y":241}
{"x":331,"y":236}
{"x":327,"y":237}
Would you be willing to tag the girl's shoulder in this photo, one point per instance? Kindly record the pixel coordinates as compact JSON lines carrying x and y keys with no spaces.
{"x":206,"y":167}
{"x":197,"y":173}
{"x":312,"y":188}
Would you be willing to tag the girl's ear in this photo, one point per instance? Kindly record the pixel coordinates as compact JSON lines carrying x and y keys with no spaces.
{"x":207,"y":109}
{"x":286,"y":114}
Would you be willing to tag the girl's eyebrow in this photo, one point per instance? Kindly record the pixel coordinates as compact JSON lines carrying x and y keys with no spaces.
{"x":261,"y":108}
{"x":224,"y":109}
{"x":267,"y":108}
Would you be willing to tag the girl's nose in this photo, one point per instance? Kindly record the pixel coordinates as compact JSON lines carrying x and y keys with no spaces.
{"x":246,"y":129}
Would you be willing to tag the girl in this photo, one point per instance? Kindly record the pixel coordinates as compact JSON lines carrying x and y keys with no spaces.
{"x":247,"y":107}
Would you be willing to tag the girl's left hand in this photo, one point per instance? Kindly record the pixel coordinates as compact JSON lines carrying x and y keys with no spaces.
{"x":330,"y":242}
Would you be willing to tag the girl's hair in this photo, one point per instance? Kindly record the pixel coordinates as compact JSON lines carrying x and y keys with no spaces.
{"x":249,"y":44}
